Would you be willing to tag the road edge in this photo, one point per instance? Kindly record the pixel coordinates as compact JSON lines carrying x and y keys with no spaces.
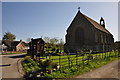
{"x":20,"y":68}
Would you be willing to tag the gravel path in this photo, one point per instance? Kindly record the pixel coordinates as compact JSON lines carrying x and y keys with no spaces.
{"x":107,"y":71}
{"x":10,"y":65}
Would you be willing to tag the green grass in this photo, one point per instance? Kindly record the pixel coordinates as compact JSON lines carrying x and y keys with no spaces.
{"x":65,"y":62}
{"x":82,"y":68}
{"x":74,"y":69}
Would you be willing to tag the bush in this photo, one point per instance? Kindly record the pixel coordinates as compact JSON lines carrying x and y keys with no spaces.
{"x":66,"y":71}
{"x":89,"y":57}
{"x":29,"y":65}
{"x":74,"y":69}
{"x":47,"y":66}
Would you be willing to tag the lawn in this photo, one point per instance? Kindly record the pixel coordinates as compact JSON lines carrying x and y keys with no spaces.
{"x":86,"y":66}
{"x":72,"y":65}
{"x":64,"y":60}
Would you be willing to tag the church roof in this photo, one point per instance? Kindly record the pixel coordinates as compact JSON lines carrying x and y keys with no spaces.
{"x":96,"y":25}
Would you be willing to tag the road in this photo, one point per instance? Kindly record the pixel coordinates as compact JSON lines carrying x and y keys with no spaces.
{"x":107,"y":71}
{"x":9,"y":65}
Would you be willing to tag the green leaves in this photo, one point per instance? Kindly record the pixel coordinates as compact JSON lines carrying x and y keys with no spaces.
{"x":9,"y":36}
{"x":29,"y":65}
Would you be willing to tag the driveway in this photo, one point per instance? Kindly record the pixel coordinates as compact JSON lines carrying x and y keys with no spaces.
{"x":9,"y":65}
{"x":110,"y":70}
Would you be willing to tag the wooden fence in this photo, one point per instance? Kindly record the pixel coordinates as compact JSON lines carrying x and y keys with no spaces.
{"x":80,"y":59}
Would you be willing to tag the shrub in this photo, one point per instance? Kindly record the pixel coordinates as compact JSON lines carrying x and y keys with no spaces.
{"x":74,"y":69}
{"x":47,"y":66}
{"x":89,"y":57}
{"x":29,"y":65}
{"x":66,"y":71}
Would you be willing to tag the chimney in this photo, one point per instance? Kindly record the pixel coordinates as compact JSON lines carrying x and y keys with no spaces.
{"x":20,"y":40}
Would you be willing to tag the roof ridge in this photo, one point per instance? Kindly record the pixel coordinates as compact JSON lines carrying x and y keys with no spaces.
{"x":96,"y":24}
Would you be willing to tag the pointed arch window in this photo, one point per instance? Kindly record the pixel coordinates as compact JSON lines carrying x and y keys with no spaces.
{"x":79,"y":36}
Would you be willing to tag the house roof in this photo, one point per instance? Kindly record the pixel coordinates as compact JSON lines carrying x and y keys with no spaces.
{"x":7,"y":43}
{"x":25,"y":44}
{"x":96,"y":24}
{"x":38,"y":39}
{"x":12,"y":43}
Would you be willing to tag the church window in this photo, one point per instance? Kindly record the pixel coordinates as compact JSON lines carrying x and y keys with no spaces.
{"x":79,"y":36}
{"x":96,"y":37}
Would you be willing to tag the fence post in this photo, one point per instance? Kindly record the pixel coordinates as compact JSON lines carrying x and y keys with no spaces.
{"x":95,"y":56}
{"x":83,"y":60}
{"x":59,"y":60}
{"x":69,"y":62}
{"x":118,"y":52}
{"x":68,"y":53}
{"x":109,"y":54}
{"x":76,"y":58}
{"x":105,"y":54}
{"x":102,"y":55}
{"x":49,"y":56}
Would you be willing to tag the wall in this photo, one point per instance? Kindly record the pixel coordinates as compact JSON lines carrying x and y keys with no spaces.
{"x":20,"y":46}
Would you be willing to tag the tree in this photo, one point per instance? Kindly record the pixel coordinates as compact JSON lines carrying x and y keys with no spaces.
{"x":47,"y":39}
{"x":51,"y":40}
{"x":9,"y":36}
{"x":54,"y":40}
{"x":61,"y":42}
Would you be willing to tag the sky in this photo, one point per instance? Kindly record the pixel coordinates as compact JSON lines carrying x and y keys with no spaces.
{"x":51,"y":19}
{"x":119,"y":22}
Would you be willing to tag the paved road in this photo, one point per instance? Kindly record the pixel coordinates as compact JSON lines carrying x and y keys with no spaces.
{"x":108,"y":71}
{"x":9,"y":65}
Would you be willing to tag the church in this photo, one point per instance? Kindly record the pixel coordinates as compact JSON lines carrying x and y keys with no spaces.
{"x":85,"y":33}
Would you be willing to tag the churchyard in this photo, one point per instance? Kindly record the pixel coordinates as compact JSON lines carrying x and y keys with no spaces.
{"x":88,"y":45}
{"x":67,"y":65}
